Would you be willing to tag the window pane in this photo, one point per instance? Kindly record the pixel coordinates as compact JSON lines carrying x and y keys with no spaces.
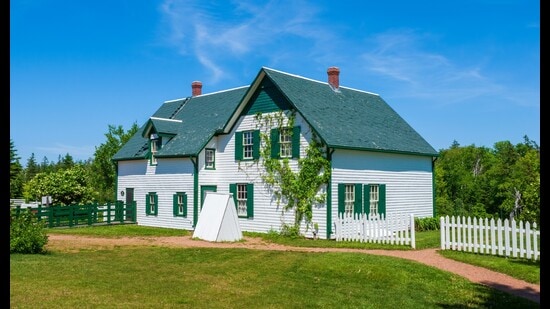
{"x":350,"y":199}
{"x":374,"y":198}
{"x":241,"y":199}
{"x":248,"y":142}
{"x":285,"y":141}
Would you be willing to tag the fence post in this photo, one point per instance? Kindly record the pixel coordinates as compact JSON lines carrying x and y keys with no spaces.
{"x":108,"y":212}
{"x":413,"y":239}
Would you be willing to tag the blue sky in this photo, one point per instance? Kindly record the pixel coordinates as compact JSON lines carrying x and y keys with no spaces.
{"x":454,"y":70}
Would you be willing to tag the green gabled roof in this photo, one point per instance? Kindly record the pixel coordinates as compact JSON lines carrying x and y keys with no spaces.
{"x":135,"y":148}
{"x":348,"y":118}
{"x":344,"y":118}
{"x":193,"y":120}
{"x":201,"y":117}
{"x":162,"y":126}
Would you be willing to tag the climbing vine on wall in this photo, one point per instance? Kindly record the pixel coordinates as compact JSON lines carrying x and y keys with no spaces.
{"x":297,"y":188}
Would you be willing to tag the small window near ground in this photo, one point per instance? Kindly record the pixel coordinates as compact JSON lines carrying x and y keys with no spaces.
{"x":180,"y":204}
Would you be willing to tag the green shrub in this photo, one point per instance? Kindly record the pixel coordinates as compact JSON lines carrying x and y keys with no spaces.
{"x":426,"y":224}
{"x":292,"y":231}
{"x":27,"y":234}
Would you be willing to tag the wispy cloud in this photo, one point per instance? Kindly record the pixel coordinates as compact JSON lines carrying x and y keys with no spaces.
{"x":245,"y":30}
{"x":399,"y":55}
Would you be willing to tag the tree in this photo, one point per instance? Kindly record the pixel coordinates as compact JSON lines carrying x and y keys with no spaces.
{"x":297,"y":186}
{"x":102,"y":168}
{"x":66,"y":187}
{"x":31,"y":168}
{"x":16,"y":172}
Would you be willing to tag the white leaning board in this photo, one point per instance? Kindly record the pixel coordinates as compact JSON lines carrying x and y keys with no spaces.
{"x":218,"y":220}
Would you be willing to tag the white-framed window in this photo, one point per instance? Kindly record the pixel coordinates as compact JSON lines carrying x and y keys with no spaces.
{"x":151,"y":203}
{"x":374,"y":199}
{"x":156,"y":143}
{"x":349,"y":199}
{"x":285,"y":142}
{"x":180,"y":204}
{"x":248,"y":145}
{"x":242,"y":199}
{"x":209,"y":158}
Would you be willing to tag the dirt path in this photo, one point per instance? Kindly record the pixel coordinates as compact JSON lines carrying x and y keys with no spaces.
{"x":427,"y":256}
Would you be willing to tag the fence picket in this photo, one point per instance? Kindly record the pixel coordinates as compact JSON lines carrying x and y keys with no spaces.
{"x":508,"y":238}
{"x":393,"y":229}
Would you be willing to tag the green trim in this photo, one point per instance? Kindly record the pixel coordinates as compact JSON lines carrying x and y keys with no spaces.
{"x":329,"y":196}
{"x":341,"y":198}
{"x":256,"y":144}
{"x":249,"y":200}
{"x":233,"y":190}
{"x":207,"y":188}
{"x":382,"y":199}
{"x":195,"y":190}
{"x":275,"y":146}
{"x":433,"y":190}
{"x":175,"y":205}
{"x":148,"y":204}
{"x":238,"y":146}
{"x":358,"y":203}
{"x":366,"y":199}
{"x":116,"y":182}
{"x":296,"y":142}
{"x":384,"y":151}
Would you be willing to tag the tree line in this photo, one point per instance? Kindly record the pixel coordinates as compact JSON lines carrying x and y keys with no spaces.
{"x":70,"y":182}
{"x":498,"y":182}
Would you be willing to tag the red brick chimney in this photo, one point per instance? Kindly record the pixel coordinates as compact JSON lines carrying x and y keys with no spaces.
{"x":334,"y":77}
{"x":196,"y":87}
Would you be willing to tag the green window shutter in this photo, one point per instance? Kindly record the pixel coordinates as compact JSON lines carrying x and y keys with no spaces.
{"x":175,"y":204}
{"x":296,"y":142}
{"x":238,"y":146}
{"x":250,"y":200}
{"x":256,"y":145}
{"x":233,"y":190}
{"x":185,"y":204}
{"x":147,"y":205}
{"x":357,"y":206}
{"x":341,"y":198}
{"x":382,"y":201}
{"x":366,"y":194}
{"x":275,"y":147}
{"x":156,"y":204}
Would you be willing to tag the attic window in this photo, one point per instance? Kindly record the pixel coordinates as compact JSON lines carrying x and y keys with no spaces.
{"x":155,"y":145}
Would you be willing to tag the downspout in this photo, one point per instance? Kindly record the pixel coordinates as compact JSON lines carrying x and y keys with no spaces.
{"x":329,"y":195}
{"x":116,"y":179}
{"x":433,"y":187}
{"x":195,"y":190}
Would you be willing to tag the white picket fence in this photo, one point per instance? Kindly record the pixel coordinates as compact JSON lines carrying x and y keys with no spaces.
{"x":503,"y":238}
{"x":394,"y":229}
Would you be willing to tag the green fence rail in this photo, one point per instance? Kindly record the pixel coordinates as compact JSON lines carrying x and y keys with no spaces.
{"x":90,"y":214}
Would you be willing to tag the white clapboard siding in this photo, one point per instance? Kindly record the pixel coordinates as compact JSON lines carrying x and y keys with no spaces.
{"x":495,"y":237}
{"x":394,"y":229}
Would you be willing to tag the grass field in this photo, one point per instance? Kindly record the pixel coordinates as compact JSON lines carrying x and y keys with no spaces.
{"x":159,"y":277}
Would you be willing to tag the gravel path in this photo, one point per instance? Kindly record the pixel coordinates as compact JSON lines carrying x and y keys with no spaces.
{"x":427,"y":256}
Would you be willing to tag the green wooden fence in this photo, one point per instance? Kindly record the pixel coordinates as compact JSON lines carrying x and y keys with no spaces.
{"x":89,"y":214}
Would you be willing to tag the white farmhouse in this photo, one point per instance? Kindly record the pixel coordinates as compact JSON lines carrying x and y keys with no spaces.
{"x":211,"y":142}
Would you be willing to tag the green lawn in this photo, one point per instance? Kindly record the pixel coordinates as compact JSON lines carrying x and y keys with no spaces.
{"x":154,"y":277}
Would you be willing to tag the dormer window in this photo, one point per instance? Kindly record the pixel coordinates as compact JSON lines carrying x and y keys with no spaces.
{"x":155,"y":143}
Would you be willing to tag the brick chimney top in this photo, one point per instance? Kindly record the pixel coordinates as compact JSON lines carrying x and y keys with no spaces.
{"x":334,"y":77}
{"x":196,"y":88}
